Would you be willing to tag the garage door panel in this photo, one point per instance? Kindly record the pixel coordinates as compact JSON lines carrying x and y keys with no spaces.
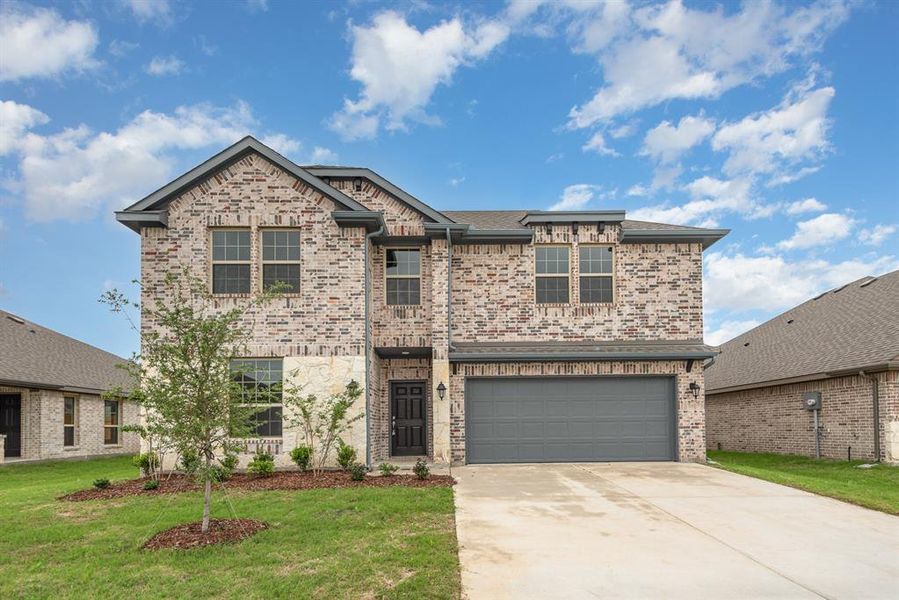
{"x":556,"y":419}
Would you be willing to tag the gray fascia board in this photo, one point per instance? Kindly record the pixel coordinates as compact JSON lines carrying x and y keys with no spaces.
{"x":574,"y":356}
{"x":497,"y":236}
{"x":352,"y":172}
{"x":146,"y":218}
{"x":567,"y":216}
{"x":231,"y":154}
{"x":706,"y":237}
{"x":438,"y":230}
{"x":370,"y":219}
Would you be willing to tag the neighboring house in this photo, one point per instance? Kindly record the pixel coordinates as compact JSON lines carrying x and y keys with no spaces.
{"x":843,"y":344}
{"x":50,"y":396}
{"x":479,"y":336}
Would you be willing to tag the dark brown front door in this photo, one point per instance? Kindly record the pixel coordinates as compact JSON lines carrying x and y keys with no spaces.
{"x":11,"y":423}
{"x":408,"y":418}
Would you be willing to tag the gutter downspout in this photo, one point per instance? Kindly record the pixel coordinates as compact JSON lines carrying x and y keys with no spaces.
{"x":875,"y":397}
{"x":449,"y":290}
{"x":367,"y":325}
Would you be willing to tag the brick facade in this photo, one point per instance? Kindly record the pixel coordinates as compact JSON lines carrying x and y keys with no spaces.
{"x":771,"y":419}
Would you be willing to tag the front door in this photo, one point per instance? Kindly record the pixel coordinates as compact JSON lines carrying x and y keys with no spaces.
{"x":11,"y":423}
{"x":408,"y":418}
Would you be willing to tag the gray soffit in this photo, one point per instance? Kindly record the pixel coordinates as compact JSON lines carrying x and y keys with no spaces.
{"x":372,"y":220}
{"x":706,"y":237}
{"x":529,"y":352}
{"x":146,"y":218}
{"x":564,"y":216}
{"x":353,"y":172}
{"x":462,"y":233}
{"x":410,"y":352}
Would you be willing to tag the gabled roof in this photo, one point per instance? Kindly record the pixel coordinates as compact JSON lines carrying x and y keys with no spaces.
{"x":851,"y":328}
{"x":34,"y":356}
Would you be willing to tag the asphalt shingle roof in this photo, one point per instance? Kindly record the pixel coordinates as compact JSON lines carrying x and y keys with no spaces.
{"x":40,"y":357}
{"x":852,"y":327}
{"x":511,"y":219}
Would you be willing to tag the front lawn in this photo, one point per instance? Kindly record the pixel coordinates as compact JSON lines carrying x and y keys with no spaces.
{"x":392,"y":542}
{"x":876,"y":487}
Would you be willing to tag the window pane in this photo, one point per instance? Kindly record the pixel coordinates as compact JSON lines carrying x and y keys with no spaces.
{"x":289,"y":274}
{"x":403,"y":291}
{"x":595,"y":259}
{"x":68,"y":436}
{"x":403,"y":262}
{"x":231,"y":244}
{"x":552,"y":290}
{"x":230,"y":279}
{"x":267,"y":423}
{"x":260,"y":379}
{"x":596,"y":289}
{"x":551,"y":260}
{"x":280,"y":245}
{"x":111,"y":412}
{"x":110,"y":435}
{"x":68,"y":414}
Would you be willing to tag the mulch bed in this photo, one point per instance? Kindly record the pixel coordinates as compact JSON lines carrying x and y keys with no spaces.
{"x":221,"y":531}
{"x":281,"y":480}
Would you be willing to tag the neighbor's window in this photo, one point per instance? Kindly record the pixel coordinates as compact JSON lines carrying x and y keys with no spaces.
{"x":70,"y":421}
{"x":112,"y":421}
{"x":261,"y":382}
{"x":403,"y":272}
{"x":552,"y":274}
{"x":231,"y":261}
{"x":281,"y":259}
{"x":596,"y":280}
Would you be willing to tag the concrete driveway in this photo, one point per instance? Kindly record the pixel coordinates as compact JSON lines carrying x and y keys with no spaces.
{"x":663,"y":530}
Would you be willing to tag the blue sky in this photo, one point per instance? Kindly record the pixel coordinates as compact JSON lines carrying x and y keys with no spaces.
{"x":777,"y":120}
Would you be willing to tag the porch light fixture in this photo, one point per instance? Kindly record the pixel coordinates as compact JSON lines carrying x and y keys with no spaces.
{"x":694,"y":387}
{"x":441,"y":390}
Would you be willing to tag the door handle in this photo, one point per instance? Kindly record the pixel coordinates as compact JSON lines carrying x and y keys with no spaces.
{"x":393,"y":425}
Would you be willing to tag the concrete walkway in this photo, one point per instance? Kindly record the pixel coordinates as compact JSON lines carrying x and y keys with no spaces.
{"x":663,"y":530}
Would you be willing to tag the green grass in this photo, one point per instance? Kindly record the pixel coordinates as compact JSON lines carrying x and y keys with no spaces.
{"x":351,"y":543}
{"x":877,"y":487}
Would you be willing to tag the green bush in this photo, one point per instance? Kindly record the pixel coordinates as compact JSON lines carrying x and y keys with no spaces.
{"x":357,"y":471}
{"x":262,"y":465}
{"x":147,"y":462}
{"x":421,"y":469}
{"x":151,"y":484}
{"x":101,"y":484}
{"x":229,"y":464}
{"x":189,"y":462}
{"x":387,"y":469}
{"x":302,"y":455}
{"x":346,"y":455}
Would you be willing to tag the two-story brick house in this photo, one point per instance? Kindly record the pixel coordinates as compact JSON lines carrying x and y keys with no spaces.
{"x":479,"y":336}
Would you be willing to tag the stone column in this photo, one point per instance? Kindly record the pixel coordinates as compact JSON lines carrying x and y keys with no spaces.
{"x":440,"y":368}
{"x":2,"y":448}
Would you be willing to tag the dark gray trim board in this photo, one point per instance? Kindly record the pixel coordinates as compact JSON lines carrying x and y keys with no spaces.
{"x":147,"y":218}
{"x":573,"y":356}
{"x":567,"y":216}
{"x":400,"y":352}
{"x":372,"y":220}
{"x":706,"y":237}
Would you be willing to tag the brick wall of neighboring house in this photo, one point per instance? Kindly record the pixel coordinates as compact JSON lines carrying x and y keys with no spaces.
{"x":691,"y":444}
{"x":771,"y":419}
{"x":658,"y":292}
{"x":42,"y":425}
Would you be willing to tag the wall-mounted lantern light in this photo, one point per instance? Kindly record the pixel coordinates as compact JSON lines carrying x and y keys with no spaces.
{"x":694,"y":387}
{"x":441,"y":390}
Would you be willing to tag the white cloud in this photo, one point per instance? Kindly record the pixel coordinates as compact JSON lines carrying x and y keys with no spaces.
{"x":770,"y":283}
{"x":637,"y":190}
{"x":662,"y":52}
{"x":121,"y":48}
{"x":15,"y":120}
{"x":38,"y":42}
{"x":768,"y":142}
{"x":822,"y":230}
{"x":255,"y":6}
{"x":456,"y":181}
{"x":323,"y":156}
{"x":876,"y":235}
{"x":555,"y":157}
{"x":76,"y":172}
{"x":728,"y":330}
{"x":575,"y":197}
{"x":597,"y":143}
{"x":711,"y":199}
{"x":400,"y":67}
{"x":623,"y":131}
{"x":162,"y":66}
{"x":666,"y":142}
{"x":281,"y":143}
{"x":784,"y":178}
{"x":804,"y":206}
{"x":150,"y":11}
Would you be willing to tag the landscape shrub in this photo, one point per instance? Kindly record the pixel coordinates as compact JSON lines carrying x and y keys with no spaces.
{"x":101,"y":484}
{"x":346,"y":455}
{"x":189,"y":462}
{"x":302,"y":456}
{"x":387,"y":469}
{"x":151,"y":484}
{"x":421,"y":469}
{"x":262,"y":465}
{"x":229,"y":464}
{"x":357,"y":471}
{"x":147,"y":462}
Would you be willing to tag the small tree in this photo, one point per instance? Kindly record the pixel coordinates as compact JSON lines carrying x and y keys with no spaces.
{"x":321,"y":422}
{"x":183,"y":377}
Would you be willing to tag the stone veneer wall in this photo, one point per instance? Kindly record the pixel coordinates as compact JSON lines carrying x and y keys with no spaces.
{"x":42,"y":425}
{"x":691,"y":442}
{"x":771,"y":419}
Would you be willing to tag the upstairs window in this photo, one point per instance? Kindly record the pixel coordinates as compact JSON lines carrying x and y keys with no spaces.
{"x":231,"y":261}
{"x":70,"y":421}
{"x":552,"y":271}
{"x":403,"y":274}
{"x":281,"y":259}
{"x":596,"y":274}
{"x":112,"y":421}
{"x":261,"y":383}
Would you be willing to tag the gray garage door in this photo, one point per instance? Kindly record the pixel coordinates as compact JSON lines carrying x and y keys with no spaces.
{"x":561,"y":419}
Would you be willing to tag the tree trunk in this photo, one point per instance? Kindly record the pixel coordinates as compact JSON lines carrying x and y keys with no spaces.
{"x":207,"y":496}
